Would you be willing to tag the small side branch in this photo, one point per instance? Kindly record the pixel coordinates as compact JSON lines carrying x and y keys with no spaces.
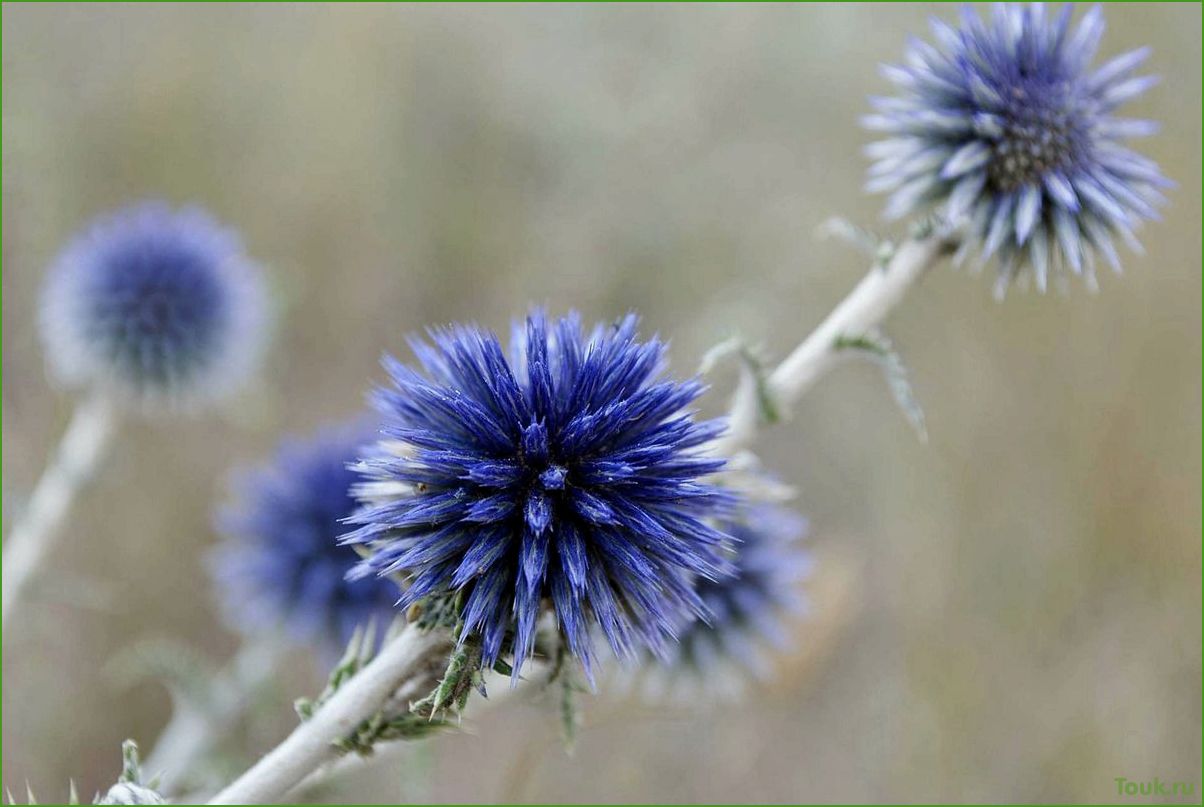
{"x":883,"y":288}
{"x":195,"y":729}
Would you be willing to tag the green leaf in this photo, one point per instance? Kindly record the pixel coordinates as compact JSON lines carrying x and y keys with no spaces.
{"x":131,"y":770}
{"x":767,"y":404}
{"x":463,"y":674}
{"x":878,"y":348}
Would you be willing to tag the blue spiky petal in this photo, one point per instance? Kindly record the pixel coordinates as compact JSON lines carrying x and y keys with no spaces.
{"x":1005,"y":128}
{"x":156,"y":305}
{"x":280,"y":567}
{"x":565,"y":477}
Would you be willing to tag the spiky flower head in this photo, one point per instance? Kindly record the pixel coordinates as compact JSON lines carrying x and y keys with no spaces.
{"x":750,"y":612}
{"x":566,"y":476}
{"x":1006,"y":128}
{"x":281,"y":566}
{"x":156,"y":305}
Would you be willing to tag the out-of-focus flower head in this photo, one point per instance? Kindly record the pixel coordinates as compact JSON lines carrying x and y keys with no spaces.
{"x":750,"y":614}
{"x":1005,"y":127}
{"x":155,"y":305}
{"x":281,"y":567}
{"x":566,"y":476}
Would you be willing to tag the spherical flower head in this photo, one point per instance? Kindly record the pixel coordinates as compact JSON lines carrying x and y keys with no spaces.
{"x":714,"y":659}
{"x":568,"y":476}
{"x":1006,"y":128}
{"x":281,"y":567}
{"x":155,"y":305}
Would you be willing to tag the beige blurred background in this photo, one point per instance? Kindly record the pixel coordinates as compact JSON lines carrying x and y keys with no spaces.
{"x":1020,"y":597}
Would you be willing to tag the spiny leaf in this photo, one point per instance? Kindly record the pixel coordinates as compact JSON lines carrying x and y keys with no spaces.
{"x":360,"y":650}
{"x":304,"y":707}
{"x":877,"y":347}
{"x":767,"y":404}
{"x":384,"y":725}
{"x":861,"y":239}
{"x":717,"y":354}
{"x":753,"y":363}
{"x":131,"y":770}
{"x":437,"y":611}
{"x":463,"y":674}
{"x":934,"y":224}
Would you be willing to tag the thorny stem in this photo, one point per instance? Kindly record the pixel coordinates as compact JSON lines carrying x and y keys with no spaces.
{"x":864,"y":308}
{"x":305,"y":754}
{"x":74,"y":463}
{"x":391,"y":750}
{"x":312,"y":743}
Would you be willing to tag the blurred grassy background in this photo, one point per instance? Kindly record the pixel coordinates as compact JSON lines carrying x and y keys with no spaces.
{"x":1029,"y":612}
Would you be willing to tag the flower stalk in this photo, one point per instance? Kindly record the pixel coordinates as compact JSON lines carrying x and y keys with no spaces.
{"x":313,"y":743}
{"x":72,"y":466}
{"x":883,"y":288}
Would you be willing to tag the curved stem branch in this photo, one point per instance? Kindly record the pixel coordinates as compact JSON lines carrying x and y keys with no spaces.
{"x":312,"y":743}
{"x":191,"y":733}
{"x":79,"y":453}
{"x":863,"y":309}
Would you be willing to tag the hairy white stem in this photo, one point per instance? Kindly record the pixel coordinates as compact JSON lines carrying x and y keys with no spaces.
{"x":410,"y":690}
{"x":863,"y":309}
{"x":79,"y":452}
{"x":192,"y":731}
{"x":312,"y":743}
{"x":306,"y":756}
{"x":392,"y":751}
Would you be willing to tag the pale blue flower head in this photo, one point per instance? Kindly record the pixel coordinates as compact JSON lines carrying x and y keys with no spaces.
{"x":1006,"y":128}
{"x":156,"y":306}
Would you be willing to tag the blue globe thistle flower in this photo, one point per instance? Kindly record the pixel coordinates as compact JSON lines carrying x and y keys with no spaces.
{"x":281,"y":566}
{"x":1007,"y":129}
{"x":567,"y":478}
{"x":749,"y":612}
{"x":154,"y":305}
